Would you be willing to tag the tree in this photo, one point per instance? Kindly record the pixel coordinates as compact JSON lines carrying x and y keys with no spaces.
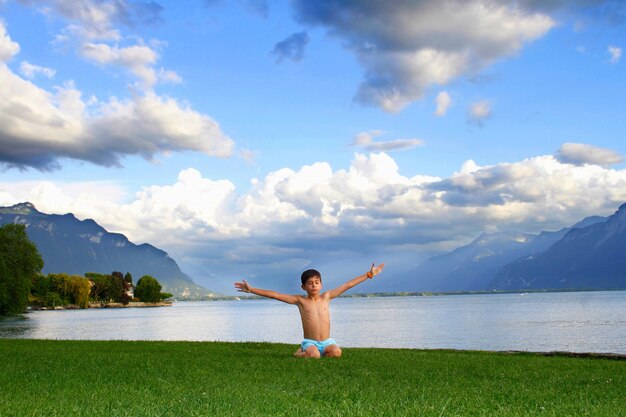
{"x":20,"y":262}
{"x":107,"y":288}
{"x":99,"y":287}
{"x":148,"y":289}
{"x":125,"y":283}
{"x":40,"y":286}
{"x":60,"y":289}
{"x":81,"y":289}
{"x":117,"y":291}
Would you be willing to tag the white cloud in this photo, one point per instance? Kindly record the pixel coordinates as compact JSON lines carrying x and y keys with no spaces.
{"x":8,"y":48}
{"x":582,"y":154}
{"x":92,"y":20}
{"x":132,"y":56}
{"x":64,"y":197}
{"x":92,"y":27}
{"x":443,"y":101}
{"x":407,"y":47}
{"x":366,"y":141}
{"x":29,"y":70}
{"x":365,"y":138}
{"x":479,"y":111}
{"x":317,"y":212}
{"x":616,"y":54}
{"x":194,"y":204}
{"x":370,"y":198}
{"x":138,"y":59}
{"x":169,"y":76}
{"x":149,"y":124}
{"x":39,"y":127}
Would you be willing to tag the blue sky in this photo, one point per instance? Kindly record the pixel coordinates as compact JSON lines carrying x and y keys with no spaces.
{"x":259,"y":138}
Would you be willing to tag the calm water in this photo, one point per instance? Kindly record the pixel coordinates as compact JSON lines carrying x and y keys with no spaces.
{"x":575,"y":321}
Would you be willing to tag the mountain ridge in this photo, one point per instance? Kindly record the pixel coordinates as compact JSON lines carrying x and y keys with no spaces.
{"x":591,"y":257}
{"x":475,"y":266}
{"x":70,"y":245}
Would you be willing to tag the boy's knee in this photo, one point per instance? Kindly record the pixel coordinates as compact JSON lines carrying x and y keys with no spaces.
{"x":332,"y":351}
{"x":312,"y":352}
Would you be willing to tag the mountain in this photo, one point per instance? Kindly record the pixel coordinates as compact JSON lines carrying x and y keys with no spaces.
{"x":69,"y":245}
{"x":591,"y":257}
{"x":474,"y":267}
{"x":466,"y":268}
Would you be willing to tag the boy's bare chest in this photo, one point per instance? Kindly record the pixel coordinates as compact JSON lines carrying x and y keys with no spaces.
{"x":312,"y":308}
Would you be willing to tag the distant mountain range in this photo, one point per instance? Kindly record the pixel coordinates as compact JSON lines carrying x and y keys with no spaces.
{"x":69,"y":245}
{"x":592,"y":257}
{"x":589,"y":255}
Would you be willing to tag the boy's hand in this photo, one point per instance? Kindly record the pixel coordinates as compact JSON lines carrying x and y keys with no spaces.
{"x":242,"y":286}
{"x":375,"y":270}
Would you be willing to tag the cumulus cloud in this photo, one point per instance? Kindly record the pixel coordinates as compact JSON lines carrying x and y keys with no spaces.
{"x":91,"y":20}
{"x":479,"y":112}
{"x":97,"y":19}
{"x":292,"y":47}
{"x":8,"y":48}
{"x":138,"y":59}
{"x":443,"y":101}
{"x":371,"y":196}
{"x":317,"y":212}
{"x":616,"y":54}
{"x":584,"y":154}
{"x":40,"y":127}
{"x":407,"y":47}
{"x":367,"y":205}
{"x":168,"y":76}
{"x":92,"y":27}
{"x":366,"y":141}
{"x":29,"y":70}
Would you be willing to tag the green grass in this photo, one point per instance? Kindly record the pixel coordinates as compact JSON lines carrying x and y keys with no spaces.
{"x":114,"y":378}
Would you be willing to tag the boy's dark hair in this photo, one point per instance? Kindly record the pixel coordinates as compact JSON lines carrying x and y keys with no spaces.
{"x":309,"y":273}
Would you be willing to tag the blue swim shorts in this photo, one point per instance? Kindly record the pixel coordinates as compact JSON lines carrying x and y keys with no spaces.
{"x":320,"y":345}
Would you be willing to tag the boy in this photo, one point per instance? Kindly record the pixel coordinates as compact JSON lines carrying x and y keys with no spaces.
{"x":314,"y":311}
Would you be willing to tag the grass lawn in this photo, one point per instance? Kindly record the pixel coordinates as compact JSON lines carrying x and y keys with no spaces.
{"x":115,"y":378}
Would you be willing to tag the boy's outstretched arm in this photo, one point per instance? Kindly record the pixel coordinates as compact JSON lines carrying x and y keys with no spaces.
{"x":374,"y":270}
{"x":285,"y":298}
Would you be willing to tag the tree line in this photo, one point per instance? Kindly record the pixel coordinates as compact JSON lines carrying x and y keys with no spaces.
{"x":21,"y":281}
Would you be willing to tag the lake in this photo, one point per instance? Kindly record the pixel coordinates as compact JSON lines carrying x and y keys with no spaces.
{"x":566,"y":321}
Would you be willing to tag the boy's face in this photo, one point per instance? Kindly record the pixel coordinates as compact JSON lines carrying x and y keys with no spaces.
{"x":313,"y":285}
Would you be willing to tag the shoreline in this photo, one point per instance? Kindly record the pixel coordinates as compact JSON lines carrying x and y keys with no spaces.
{"x":408,"y":294}
{"x":132,"y":304}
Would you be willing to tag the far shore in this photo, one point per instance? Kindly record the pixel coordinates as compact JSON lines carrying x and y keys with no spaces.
{"x":214,"y":297}
{"x":132,"y":304}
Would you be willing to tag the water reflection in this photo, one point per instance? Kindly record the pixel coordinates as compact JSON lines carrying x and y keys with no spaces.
{"x":582,"y":322}
{"x":14,"y":327}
